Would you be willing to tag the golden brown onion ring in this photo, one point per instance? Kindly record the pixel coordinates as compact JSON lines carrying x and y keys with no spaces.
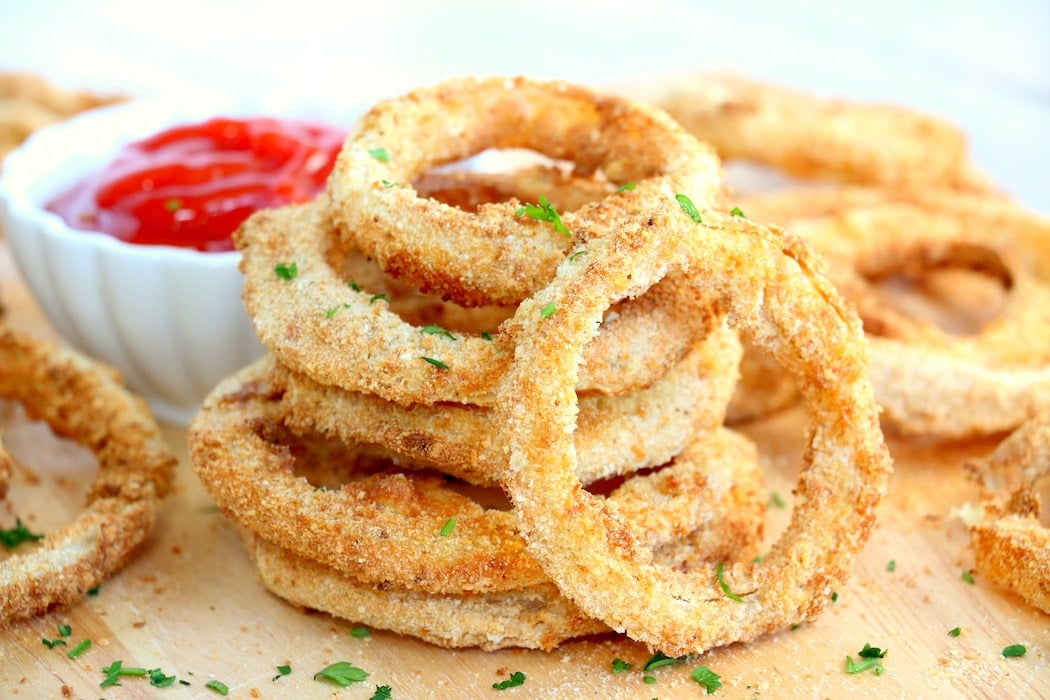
{"x":1011,"y":546}
{"x":377,"y":528}
{"x":85,"y":402}
{"x":317,"y":325}
{"x":494,"y":255}
{"x":536,"y":616}
{"x":930,"y":381}
{"x":614,"y":434}
{"x":816,"y":138}
{"x":775,"y":295}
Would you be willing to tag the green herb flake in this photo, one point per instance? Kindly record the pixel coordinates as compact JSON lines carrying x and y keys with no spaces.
{"x":282,"y":671}
{"x":437,"y":363}
{"x":834,"y":596}
{"x":448,"y":527}
{"x":517,"y":678}
{"x":955,"y":631}
{"x":436,"y":330}
{"x":354,"y":286}
{"x":725,"y":586}
{"x":286,"y":271}
{"x":891,"y":566}
{"x":967,"y":576}
{"x":544,"y":211}
{"x":380,"y":154}
{"x":342,"y":673}
{"x":17,"y":535}
{"x":626,"y":187}
{"x":549,"y":310}
{"x":173,"y":204}
{"x":79,"y":649}
{"x":870,"y":652}
{"x":707,"y":678}
{"x":619,"y":665}
{"x":1015,"y":650}
{"x":94,"y":591}
{"x":736,"y":211}
{"x":65,"y":630}
{"x":689,"y":208}
{"x":775,"y":499}
{"x":659,"y":660}
{"x":115,"y":671}
{"x":378,"y":297}
{"x":52,"y":643}
{"x":160,"y":679}
{"x":577,"y":254}
{"x":330,"y":313}
{"x":485,"y":335}
{"x":382,"y":693}
{"x":649,"y":680}
{"x":871,"y":661}
{"x":360,"y":632}
{"x":218,"y":686}
{"x":388,"y":184}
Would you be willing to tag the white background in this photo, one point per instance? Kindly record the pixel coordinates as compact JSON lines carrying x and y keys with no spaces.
{"x":984,"y":65}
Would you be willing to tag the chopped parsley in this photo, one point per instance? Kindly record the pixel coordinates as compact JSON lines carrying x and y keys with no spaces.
{"x":725,"y":586}
{"x":517,"y":678}
{"x":79,"y":649}
{"x":388,"y":184}
{"x":437,"y":363}
{"x":94,"y":591}
{"x":282,"y":670}
{"x":967,"y":576}
{"x":448,"y":527}
{"x":578,"y":253}
{"x":544,"y":211}
{"x":649,"y":680}
{"x":626,"y":187}
{"x":775,"y":499}
{"x":689,"y":208}
{"x":955,"y":631}
{"x":378,"y":297}
{"x":335,"y":309}
{"x":162,"y":680}
{"x":707,"y":678}
{"x":1015,"y":650}
{"x":834,"y":596}
{"x":736,"y":211}
{"x":286,"y":271}
{"x":115,"y":671}
{"x":891,"y":566}
{"x":436,"y":330}
{"x":342,"y":673}
{"x":659,"y":660}
{"x":871,"y":660}
{"x":619,"y":665}
{"x":173,"y":204}
{"x":218,"y":686}
{"x":548,"y":310}
{"x":17,"y":535}
{"x":360,"y":632}
{"x":354,"y":286}
{"x":380,"y":154}
{"x":485,"y":335}
{"x":63,"y":631}
{"x":382,"y":693}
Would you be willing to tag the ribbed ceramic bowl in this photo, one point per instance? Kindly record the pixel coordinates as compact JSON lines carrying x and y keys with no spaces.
{"x":171,"y":319}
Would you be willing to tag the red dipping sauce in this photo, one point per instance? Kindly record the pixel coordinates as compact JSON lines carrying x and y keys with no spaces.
{"x":192,"y":185}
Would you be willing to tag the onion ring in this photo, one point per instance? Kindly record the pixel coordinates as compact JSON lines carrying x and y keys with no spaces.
{"x":497,"y":256}
{"x":374,"y":528}
{"x":318,"y":326}
{"x":1010,"y":544}
{"x":774,"y":293}
{"x":86,"y":402}
{"x":615,"y":434}
{"x":929,"y":381}
{"x":815,"y":138}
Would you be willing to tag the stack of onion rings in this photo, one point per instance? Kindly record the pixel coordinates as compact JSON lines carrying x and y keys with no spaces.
{"x":86,"y":402}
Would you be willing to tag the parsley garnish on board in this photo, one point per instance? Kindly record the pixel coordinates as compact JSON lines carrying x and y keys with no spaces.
{"x":707,"y":678}
{"x":967,"y":576}
{"x":689,"y":208}
{"x":282,"y":670}
{"x":544,"y":211}
{"x":659,"y":660}
{"x":619,"y":665}
{"x":63,"y":631}
{"x":1015,"y":650}
{"x":286,"y":271}
{"x":517,"y":678}
{"x":342,"y":673}
{"x":360,"y":632}
{"x":382,"y":693}
{"x":218,"y":686}
{"x":79,"y":649}
{"x":871,"y":660}
{"x":17,"y":535}
{"x":380,"y":154}
{"x":955,"y":631}
{"x":891,"y":566}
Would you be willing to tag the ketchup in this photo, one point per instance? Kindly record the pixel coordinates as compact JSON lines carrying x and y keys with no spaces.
{"x":193,"y":185}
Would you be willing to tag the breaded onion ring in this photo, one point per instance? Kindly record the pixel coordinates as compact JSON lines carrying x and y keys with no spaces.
{"x":317,"y":325}
{"x":816,"y":138}
{"x":495,"y":255}
{"x":929,"y":381}
{"x":375,"y":528}
{"x":614,"y":434}
{"x":1011,"y":546}
{"x":85,"y":402}
{"x":775,"y":295}
{"x":536,"y":616}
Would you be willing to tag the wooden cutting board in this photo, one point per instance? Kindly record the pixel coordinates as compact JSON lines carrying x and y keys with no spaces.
{"x":191,"y":605}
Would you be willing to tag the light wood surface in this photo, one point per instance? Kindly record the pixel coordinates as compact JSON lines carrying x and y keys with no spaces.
{"x":190,"y":604}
